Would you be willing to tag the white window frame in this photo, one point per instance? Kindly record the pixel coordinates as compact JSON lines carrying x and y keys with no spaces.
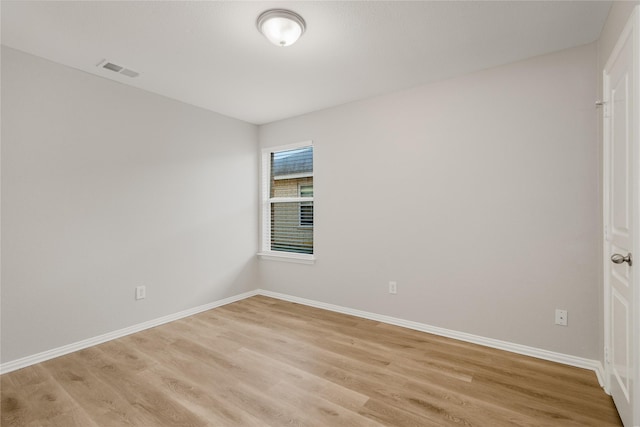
{"x":266,"y":201}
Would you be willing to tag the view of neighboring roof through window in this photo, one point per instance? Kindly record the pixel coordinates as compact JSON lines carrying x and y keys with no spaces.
{"x":292,"y":164}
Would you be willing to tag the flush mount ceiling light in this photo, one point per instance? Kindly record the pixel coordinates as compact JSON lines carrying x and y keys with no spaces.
{"x":280,"y":26}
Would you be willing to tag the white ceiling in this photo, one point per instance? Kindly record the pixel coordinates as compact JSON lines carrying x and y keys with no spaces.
{"x":210,"y":54}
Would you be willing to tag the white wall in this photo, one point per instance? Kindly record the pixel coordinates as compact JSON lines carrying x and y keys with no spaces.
{"x":618,"y":16}
{"x":478,"y":195}
{"x":106,"y":187}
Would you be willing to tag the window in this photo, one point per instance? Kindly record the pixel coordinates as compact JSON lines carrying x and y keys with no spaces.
{"x":306,"y":208}
{"x":287,"y":196}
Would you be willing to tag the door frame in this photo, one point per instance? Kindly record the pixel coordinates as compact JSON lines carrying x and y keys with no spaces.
{"x":631,"y":29}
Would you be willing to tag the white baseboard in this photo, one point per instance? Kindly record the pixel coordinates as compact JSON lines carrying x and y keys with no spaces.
{"x":565,"y":359}
{"x":70,"y":348}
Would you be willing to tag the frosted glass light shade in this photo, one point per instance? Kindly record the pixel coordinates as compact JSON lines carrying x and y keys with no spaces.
{"x":280,"y":26}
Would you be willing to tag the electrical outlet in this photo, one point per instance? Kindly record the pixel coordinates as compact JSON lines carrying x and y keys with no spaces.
{"x":393,"y":288}
{"x":561,"y":317}
{"x":141,"y":292}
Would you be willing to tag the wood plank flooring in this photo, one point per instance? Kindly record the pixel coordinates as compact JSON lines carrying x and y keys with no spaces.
{"x":266,"y":362}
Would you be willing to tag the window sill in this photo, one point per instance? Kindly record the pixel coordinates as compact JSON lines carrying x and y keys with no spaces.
{"x":287,"y":257}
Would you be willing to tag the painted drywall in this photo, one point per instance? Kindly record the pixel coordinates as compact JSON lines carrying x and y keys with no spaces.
{"x":478,"y":195}
{"x":105,"y":188}
{"x":619,"y":14}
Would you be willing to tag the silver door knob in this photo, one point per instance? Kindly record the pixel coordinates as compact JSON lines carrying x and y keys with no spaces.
{"x":619,"y":259}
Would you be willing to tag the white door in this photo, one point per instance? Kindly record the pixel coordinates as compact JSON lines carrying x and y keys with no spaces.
{"x":622,"y":223}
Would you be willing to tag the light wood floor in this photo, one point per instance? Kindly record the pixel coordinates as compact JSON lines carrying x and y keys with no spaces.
{"x":265,"y":362}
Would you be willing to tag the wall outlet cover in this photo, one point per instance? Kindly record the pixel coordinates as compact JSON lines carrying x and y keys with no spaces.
{"x":561,"y":317}
{"x":393,"y":287}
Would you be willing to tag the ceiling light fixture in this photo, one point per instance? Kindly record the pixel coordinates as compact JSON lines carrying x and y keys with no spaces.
{"x":280,"y":26}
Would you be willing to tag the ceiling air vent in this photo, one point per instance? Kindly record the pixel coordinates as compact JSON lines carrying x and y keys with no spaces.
{"x":117,"y":68}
